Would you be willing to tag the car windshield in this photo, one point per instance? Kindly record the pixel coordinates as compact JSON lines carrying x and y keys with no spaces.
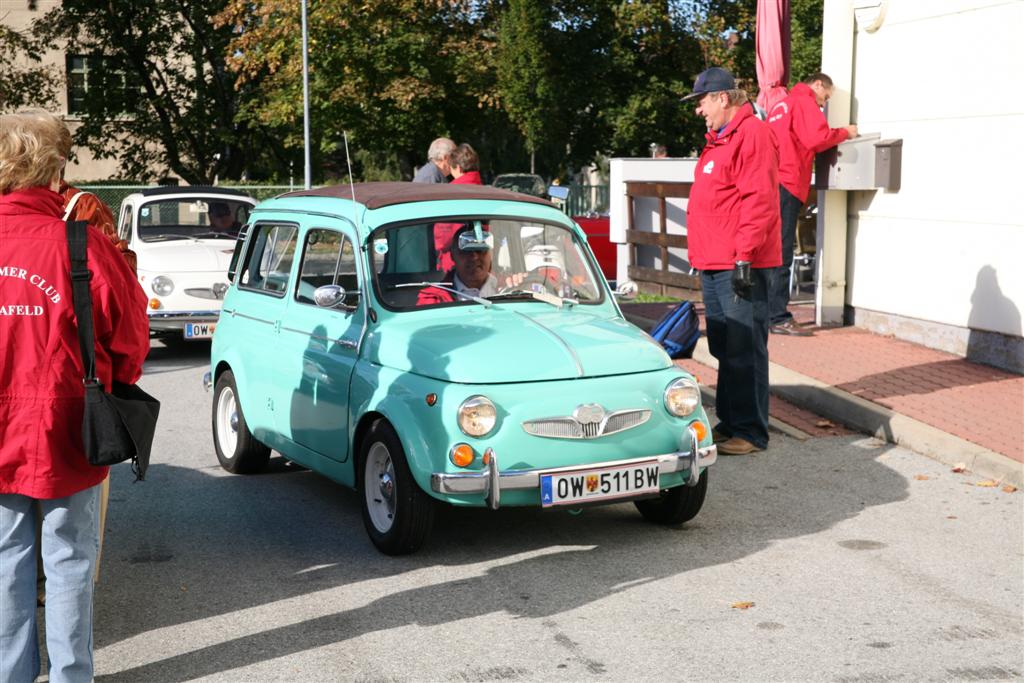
{"x":192,"y":218}
{"x":478,"y":261}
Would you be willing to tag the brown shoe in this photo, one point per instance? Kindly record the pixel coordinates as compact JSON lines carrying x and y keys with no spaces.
{"x":718,"y":437}
{"x":737,"y":446}
{"x":789,"y":327}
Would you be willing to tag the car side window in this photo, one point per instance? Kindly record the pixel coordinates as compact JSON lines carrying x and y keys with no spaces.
{"x":269,"y":259}
{"x":328,"y":258}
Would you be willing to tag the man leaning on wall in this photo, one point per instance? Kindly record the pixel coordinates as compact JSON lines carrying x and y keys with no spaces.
{"x":801,"y":131}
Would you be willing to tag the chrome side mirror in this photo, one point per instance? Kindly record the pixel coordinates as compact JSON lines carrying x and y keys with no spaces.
{"x":330,"y":296}
{"x":626,"y":291}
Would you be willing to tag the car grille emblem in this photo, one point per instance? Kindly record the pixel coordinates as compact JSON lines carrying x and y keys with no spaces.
{"x":588,"y":421}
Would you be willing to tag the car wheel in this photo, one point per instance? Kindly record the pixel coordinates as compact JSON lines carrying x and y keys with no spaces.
{"x":397,"y":514}
{"x":676,"y":505}
{"x":237,"y":449}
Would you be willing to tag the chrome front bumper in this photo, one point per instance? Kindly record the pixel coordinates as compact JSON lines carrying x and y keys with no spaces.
{"x":493,"y":481}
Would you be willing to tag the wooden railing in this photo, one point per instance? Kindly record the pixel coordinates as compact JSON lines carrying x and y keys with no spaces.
{"x":654,"y":278}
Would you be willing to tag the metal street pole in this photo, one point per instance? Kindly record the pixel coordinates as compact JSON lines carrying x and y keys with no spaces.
{"x":305,"y":95}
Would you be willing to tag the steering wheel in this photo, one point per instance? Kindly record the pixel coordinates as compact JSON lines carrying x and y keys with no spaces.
{"x":537,"y":276}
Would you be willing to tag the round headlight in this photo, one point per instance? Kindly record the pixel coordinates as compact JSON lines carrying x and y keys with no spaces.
{"x":162,"y":285}
{"x":477,"y":416}
{"x":682,"y":397}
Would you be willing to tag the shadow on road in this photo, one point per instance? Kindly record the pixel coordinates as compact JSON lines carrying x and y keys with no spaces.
{"x":201,"y":544}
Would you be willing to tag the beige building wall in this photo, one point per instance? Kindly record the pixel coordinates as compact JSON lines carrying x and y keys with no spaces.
{"x":938,"y":262}
{"x":18,"y":15}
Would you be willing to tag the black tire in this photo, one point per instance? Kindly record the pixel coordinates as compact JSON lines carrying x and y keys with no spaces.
{"x":676,"y":505}
{"x":237,"y":449}
{"x":397,"y":514}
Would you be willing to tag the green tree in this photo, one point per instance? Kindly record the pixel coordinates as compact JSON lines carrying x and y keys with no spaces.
{"x":24,"y":81}
{"x":394,"y":74}
{"x":805,"y":28}
{"x":160,"y":96}
{"x":528,"y":86}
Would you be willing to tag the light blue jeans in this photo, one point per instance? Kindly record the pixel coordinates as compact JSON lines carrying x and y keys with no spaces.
{"x":70,"y":545}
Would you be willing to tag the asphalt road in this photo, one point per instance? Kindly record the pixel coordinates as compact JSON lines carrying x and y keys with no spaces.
{"x":862,"y":561}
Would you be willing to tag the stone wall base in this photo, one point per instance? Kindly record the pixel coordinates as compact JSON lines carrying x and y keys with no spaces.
{"x":992,"y":348}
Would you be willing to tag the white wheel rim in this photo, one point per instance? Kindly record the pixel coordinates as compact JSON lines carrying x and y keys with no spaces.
{"x":379,"y":487}
{"x":227,"y":422}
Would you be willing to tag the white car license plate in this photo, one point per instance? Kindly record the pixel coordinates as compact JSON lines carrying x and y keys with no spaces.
{"x":604,"y":483}
{"x":199,"y":330}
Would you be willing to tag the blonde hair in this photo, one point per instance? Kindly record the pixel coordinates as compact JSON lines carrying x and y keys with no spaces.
{"x":33,"y":147}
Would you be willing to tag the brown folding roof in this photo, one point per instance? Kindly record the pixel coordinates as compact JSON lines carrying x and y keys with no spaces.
{"x":376,"y":195}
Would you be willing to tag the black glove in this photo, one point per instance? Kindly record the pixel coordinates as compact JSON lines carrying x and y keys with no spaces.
{"x":741,"y":282}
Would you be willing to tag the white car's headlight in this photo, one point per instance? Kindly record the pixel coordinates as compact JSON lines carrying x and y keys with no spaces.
{"x":682,"y":397}
{"x":162,"y":285}
{"x":477,"y":416}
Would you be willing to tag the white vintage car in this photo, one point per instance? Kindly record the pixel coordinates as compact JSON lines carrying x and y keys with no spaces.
{"x":184,"y":238}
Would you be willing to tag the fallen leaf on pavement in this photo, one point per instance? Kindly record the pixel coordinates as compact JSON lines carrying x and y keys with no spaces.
{"x":742,"y":605}
{"x":1009,"y":488}
{"x":959,"y":468}
{"x":988,"y":484}
{"x":824,"y":424}
{"x":951,"y":517}
{"x":922,"y":477}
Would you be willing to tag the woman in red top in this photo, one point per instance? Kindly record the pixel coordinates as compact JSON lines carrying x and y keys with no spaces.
{"x":465,"y":166}
{"x":43,"y":470}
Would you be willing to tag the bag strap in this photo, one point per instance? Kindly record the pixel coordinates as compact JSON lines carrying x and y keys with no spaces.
{"x":81,"y":296}
{"x":71,"y":204}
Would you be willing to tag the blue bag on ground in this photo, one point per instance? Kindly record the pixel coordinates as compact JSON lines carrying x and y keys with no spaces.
{"x":678,"y":330}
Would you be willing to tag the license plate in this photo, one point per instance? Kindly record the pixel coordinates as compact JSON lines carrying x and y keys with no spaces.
{"x":199,"y":330}
{"x":604,"y":483}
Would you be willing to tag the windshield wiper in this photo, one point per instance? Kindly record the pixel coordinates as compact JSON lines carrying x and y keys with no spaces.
{"x":214,"y":233}
{"x":171,"y":236}
{"x":446,"y":286}
{"x":536,"y":296}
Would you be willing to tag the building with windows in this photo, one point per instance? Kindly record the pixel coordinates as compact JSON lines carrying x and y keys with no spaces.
{"x":76,"y":85}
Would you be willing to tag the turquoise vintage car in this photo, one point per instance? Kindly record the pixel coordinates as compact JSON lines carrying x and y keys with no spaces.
{"x":356,"y":341}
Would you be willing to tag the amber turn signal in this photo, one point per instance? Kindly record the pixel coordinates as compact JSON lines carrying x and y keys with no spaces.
{"x":431,"y":399}
{"x":154,"y":303}
{"x":462,"y":455}
{"x":701,"y":430}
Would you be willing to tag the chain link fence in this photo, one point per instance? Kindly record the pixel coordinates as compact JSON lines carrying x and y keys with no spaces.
{"x":582,"y":200}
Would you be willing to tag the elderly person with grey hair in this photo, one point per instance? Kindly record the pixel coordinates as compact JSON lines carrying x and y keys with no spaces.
{"x":437,"y":168}
{"x":44,"y":473}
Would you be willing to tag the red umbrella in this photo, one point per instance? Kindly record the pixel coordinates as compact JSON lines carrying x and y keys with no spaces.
{"x":772,"y":40}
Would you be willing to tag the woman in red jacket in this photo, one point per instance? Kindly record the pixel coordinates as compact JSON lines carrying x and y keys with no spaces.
{"x":43,"y":470}
{"x":465,"y":166}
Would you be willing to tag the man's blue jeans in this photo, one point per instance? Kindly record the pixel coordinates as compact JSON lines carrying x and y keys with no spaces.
{"x":737,"y":332}
{"x":789,"y":208}
{"x":70,"y":545}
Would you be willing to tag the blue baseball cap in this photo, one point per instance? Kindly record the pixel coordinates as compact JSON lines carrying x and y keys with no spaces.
{"x":714,"y":79}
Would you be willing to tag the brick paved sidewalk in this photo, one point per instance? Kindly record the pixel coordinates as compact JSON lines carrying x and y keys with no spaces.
{"x":975,"y":402}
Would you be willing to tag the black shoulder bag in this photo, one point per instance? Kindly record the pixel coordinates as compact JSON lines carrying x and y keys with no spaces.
{"x":118,"y":425}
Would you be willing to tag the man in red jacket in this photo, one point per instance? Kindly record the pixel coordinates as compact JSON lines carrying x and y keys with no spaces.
{"x":801,"y":131}
{"x":732,"y":226}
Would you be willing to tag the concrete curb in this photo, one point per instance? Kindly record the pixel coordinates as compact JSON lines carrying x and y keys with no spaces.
{"x":877,"y":420}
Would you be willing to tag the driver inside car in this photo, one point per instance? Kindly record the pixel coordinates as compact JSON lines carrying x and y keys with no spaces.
{"x":471,"y":275}
{"x":221,"y":218}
